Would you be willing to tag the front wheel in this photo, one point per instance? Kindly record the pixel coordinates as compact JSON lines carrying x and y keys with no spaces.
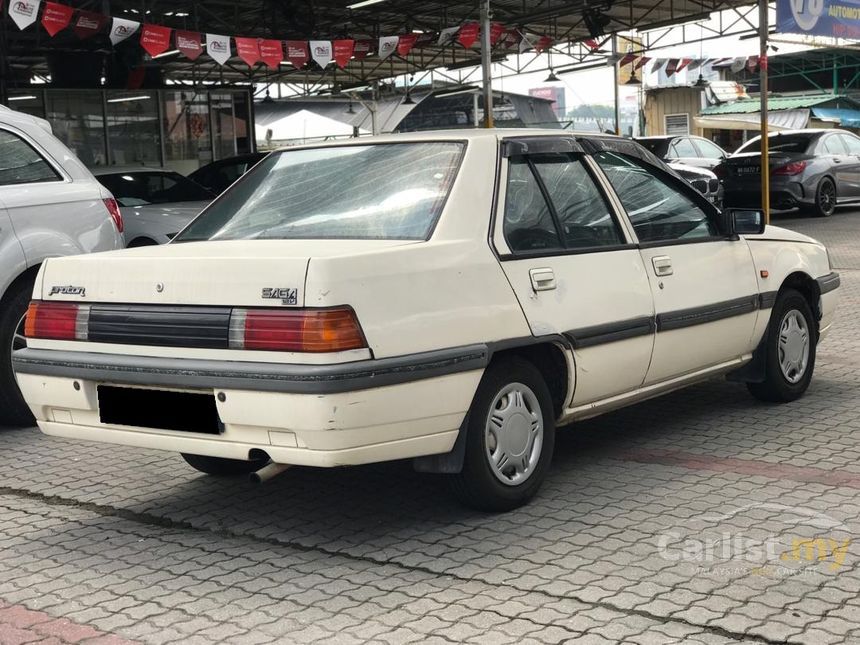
{"x":510,"y":438}
{"x":790,"y":350}
{"x":223,"y":467}
{"x":13,"y":409}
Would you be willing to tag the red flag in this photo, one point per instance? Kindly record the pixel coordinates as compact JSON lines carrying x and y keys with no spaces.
{"x":682,"y":64}
{"x":88,"y":23}
{"x":468,"y":34}
{"x":592,"y":44}
{"x":641,"y":62}
{"x":496,"y":31}
{"x":297,"y":53}
{"x":671,"y":66}
{"x":271,"y":52}
{"x":189,"y":43}
{"x":542,"y":43}
{"x":155,"y":39}
{"x":362,"y":49}
{"x":752,"y":63}
{"x":405,"y":44}
{"x":56,"y":17}
{"x":627,"y":59}
{"x":248,"y":49}
{"x":342,"y":51}
{"x":511,"y":39}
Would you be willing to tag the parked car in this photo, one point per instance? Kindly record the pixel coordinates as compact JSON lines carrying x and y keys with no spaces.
{"x":218,"y":175}
{"x":686,"y":149}
{"x":814,"y":170}
{"x":50,"y":205}
{"x":703,"y":180}
{"x":156,"y":204}
{"x":343,"y":304}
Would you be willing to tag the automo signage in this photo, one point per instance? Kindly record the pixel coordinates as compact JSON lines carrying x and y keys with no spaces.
{"x":833,"y":18}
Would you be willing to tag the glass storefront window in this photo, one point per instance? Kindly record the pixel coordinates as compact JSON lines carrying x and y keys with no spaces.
{"x":133,"y":128}
{"x":187,"y":139}
{"x":28,"y":102}
{"x":77,"y":119}
{"x":224,"y":124}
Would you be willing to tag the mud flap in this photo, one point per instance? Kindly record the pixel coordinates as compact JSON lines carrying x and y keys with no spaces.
{"x":754,"y":371}
{"x":449,"y":463}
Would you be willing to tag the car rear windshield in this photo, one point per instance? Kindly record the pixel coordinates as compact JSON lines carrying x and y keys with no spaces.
{"x":144,"y":188}
{"x":779,"y":143}
{"x":393,"y":191}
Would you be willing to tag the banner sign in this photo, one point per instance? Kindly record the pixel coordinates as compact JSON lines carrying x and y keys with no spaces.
{"x":189,"y":43}
{"x":297,"y":53}
{"x":56,"y":17}
{"x":248,"y":49}
{"x":218,"y":47}
{"x":121,"y":29}
{"x":342,"y":51}
{"x":271,"y":53}
{"x":88,"y":24}
{"x":155,"y":39}
{"x":833,"y":18}
{"x":24,"y":12}
{"x":321,"y":52}
{"x":387,"y":46}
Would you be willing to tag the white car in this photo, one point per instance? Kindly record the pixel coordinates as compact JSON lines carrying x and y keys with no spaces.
{"x":448,"y":296}
{"x":156,"y":204}
{"x":50,"y":206}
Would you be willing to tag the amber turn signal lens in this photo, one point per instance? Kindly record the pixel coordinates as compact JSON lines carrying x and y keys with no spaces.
{"x":296,"y":330}
{"x":54,"y":320}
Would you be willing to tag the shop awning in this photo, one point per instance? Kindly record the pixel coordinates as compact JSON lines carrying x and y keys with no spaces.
{"x":841,"y":116}
{"x":781,"y":120}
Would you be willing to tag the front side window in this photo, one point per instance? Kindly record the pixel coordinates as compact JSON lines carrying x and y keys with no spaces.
{"x":709,"y":150}
{"x":390,"y":191}
{"x":144,"y":188}
{"x":832,"y":145}
{"x":658,"y":211}
{"x":21,"y":164}
{"x":852,"y":143}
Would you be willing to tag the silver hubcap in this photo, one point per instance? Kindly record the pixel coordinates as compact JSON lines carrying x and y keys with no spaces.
{"x":19,"y":341}
{"x":514,"y":434}
{"x":793,"y":346}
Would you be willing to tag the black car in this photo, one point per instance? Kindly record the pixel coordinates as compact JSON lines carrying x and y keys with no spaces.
{"x":814,"y":170}
{"x":686,"y":149}
{"x":218,"y":175}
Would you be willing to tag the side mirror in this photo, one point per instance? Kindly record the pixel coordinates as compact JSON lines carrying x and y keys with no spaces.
{"x":746,"y":221}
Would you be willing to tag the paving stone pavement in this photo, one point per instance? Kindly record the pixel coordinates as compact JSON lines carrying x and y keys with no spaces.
{"x":700,"y":517}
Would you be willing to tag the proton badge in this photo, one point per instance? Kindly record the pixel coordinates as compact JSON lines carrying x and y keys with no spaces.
{"x":68,"y":290}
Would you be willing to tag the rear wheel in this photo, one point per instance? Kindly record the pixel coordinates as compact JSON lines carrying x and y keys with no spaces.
{"x":222,"y":467}
{"x":13,"y":408}
{"x":825,"y":198}
{"x":790,"y":345}
{"x":510,"y":438}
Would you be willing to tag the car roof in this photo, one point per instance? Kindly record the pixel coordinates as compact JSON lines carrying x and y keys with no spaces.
{"x":100,"y":171}
{"x":22,"y":119}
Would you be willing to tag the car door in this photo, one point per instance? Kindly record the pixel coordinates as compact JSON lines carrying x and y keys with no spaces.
{"x":852,"y":162}
{"x":710,"y":154}
{"x":834,"y":151}
{"x":703,"y":282}
{"x":573,"y":266}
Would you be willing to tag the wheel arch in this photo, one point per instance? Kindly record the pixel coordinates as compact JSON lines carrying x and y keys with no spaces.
{"x":28,"y":275}
{"x":807,"y":286}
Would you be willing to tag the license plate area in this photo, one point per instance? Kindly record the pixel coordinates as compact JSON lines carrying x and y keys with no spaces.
{"x":749,"y":170}
{"x":159,"y":409}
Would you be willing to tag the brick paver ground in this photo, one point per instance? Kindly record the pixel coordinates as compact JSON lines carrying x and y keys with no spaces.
{"x":701,"y":517}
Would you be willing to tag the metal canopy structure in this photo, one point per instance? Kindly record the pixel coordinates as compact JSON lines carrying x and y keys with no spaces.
{"x":32,"y":53}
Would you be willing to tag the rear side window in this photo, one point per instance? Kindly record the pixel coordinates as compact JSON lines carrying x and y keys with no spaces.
{"x":683,"y":148}
{"x":552,"y":202}
{"x":832,"y":145}
{"x":21,"y":164}
{"x":658,"y":211}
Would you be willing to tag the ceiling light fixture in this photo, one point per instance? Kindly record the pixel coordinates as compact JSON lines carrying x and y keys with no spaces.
{"x":22,"y":98}
{"x":125,"y":99}
{"x":363,"y":3}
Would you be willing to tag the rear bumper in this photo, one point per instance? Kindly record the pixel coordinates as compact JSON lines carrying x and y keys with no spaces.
{"x":782,"y":195}
{"x":312,"y":415}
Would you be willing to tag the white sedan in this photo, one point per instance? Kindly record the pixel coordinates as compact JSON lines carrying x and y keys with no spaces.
{"x":451,"y":297}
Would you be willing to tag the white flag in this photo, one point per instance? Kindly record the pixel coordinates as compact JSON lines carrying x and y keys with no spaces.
{"x":121,"y":29}
{"x":24,"y":12}
{"x":448,"y":36}
{"x":321,"y":52}
{"x":388,"y":45}
{"x":525,"y":43}
{"x":218,"y":47}
{"x":738,"y":64}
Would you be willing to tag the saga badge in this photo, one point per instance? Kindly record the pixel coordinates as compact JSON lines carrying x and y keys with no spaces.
{"x":287,"y":295}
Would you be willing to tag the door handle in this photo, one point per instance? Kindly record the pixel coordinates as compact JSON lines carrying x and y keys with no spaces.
{"x":542,"y":279}
{"x":662,"y":265}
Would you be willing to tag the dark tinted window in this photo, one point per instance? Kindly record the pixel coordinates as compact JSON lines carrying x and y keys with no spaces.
{"x":528,"y":222}
{"x":142,"y":188}
{"x":780,"y":143}
{"x":373,"y":191}
{"x":656,"y":147}
{"x":582,"y":212}
{"x":659,"y":211}
{"x":20,"y":163}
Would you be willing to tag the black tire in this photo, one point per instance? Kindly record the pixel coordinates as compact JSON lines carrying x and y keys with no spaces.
{"x":825,"y":198}
{"x":776,"y":387}
{"x":13,"y":409}
{"x":222,"y":467}
{"x":477,"y":485}
{"x":141,"y":241}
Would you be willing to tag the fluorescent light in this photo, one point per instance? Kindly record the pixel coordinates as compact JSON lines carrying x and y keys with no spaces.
{"x":363,"y":3}
{"x":23,"y":98}
{"x":172,"y":52}
{"x":125,"y":99}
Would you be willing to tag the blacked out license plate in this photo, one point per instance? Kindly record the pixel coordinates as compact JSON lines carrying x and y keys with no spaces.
{"x":159,"y":409}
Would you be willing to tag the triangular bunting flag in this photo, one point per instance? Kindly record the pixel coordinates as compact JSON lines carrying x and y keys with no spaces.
{"x":342,"y":51}
{"x":468,"y":34}
{"x":56,"y":17}
{"x":321,"y":52}
{"x":387,"y":46}
{"x":88,"y":24}
{"x":248,"y":49}
{"x":189,"y":43}
{"x":155,"y":39}
{"x":218,"y":48}
{"x":405,"y":44}
{"x":121,"y":29}
{"x":24,"y":12}
{"x":271,"y":52}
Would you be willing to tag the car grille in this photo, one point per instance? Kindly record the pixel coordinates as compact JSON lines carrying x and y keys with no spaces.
{"x":713,"y":185}
{"x":156,"y":325}
{"x":701,"y":185}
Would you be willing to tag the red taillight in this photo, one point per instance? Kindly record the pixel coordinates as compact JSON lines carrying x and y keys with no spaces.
{"x":793,"y":168}
{"x":298,"y":330}
{"x":56,"y":320}
{"x":115,"y":214}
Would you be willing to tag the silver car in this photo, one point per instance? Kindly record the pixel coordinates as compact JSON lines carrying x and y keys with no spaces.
{"x":814,"y":170}
{"x":50,"y":205}
{"x":156,"y":204}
